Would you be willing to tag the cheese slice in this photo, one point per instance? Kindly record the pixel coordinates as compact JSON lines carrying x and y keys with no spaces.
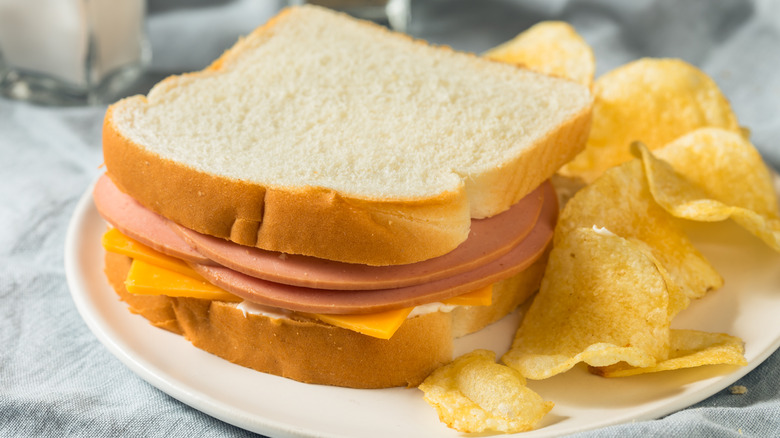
{"x":154,"y":273}
{"x":147,"y":279}
{"x":115,"y":241}
{"x":380,"y":325}
{"x":383,"y":324}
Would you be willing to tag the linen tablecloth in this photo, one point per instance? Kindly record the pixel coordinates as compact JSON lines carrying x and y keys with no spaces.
{"x":56,"y":379}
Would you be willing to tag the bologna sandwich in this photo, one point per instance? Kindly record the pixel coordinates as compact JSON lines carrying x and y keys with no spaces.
{"x":333,"y":202}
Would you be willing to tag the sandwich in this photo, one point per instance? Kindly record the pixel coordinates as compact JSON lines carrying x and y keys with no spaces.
{"x":333,"y":202}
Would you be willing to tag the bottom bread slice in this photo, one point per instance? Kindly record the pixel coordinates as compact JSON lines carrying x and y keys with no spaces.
{"x":313,"y":352}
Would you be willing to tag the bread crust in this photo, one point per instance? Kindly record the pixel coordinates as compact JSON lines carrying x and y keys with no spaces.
{"x":508,"y":184}
{"x":158,"y":310}
{"x":320,"y":222}
{"x":312,"y":221}
{"x":313,"y":352}
{"x":317,"y":221}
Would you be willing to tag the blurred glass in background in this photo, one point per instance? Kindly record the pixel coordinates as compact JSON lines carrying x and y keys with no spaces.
{"x":70,"y":52}
{"x":392,"y":13}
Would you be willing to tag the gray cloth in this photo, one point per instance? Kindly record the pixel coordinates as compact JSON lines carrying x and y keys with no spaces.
{"x":56,"y":379}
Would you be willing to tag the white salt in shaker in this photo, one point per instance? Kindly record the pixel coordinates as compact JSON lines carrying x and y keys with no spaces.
{"x":71,"y":51}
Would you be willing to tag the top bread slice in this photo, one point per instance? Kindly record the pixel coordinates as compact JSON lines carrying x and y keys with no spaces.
{"x":323,"y":135}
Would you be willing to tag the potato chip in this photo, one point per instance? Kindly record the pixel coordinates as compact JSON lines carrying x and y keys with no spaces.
{"x":689,"y":348}
{"x":735,"y":183}
{"x":650,"y":100}
{"x":620,"y":201}
{"x":603,"y":300}
{"x":727,"y":166}
{"x":475,"y":394}
{"x":550,"y":47}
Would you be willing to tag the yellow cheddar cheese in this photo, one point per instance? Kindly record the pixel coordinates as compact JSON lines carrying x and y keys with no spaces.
{"x":115,"y":241}
{"x":154,"y":273}
{"x":383,"y":324}
{"x":147,"y":279}
{"x":380,"y":325}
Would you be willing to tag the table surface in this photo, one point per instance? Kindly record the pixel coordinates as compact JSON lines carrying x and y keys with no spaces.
{"x":57,"y":379}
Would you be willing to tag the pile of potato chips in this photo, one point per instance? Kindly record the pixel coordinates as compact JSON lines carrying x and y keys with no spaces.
{"x":665,"y":146}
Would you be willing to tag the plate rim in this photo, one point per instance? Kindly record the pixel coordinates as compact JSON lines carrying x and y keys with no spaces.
{"x":151,"y":372}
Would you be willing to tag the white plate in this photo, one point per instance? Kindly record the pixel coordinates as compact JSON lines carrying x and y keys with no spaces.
{"x":747,"y":307}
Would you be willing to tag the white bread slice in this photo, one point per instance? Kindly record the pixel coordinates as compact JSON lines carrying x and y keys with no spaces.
{"x":313,"y":352}
{"x":327,"y":136}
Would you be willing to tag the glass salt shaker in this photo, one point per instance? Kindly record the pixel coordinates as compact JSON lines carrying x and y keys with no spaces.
{"x":70,"y":52}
